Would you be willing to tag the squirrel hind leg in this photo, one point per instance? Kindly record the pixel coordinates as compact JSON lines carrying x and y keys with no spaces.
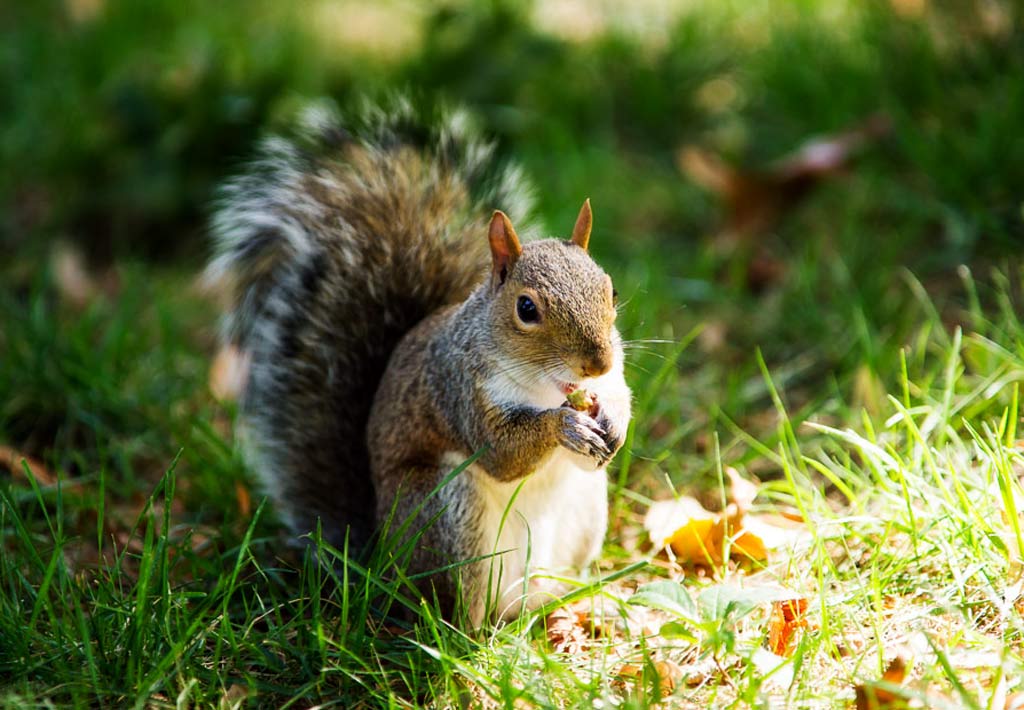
{"x":435,"y":537}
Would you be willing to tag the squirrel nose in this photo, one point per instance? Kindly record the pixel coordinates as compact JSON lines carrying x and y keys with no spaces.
{"x":597,"y":364}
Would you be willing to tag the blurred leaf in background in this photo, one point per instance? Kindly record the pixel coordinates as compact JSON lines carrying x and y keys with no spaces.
{"x":122,"y":115}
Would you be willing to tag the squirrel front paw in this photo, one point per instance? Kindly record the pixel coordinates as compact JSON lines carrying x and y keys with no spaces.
{"x":581,"y":434}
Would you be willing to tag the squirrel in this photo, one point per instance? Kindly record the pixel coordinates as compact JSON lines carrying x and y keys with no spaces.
{"x":395,"y":325}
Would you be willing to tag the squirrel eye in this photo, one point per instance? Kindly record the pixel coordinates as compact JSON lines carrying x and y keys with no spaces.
{"x":615,"y":297}
{"x":526,"y":309}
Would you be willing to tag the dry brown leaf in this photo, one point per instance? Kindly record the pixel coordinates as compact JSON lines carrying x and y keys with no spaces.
{"x":76,"y":284}
{"x":83,"y":10}
{"x":1015,"y":701}
{"x":228,"y":373}
{"x":787,"y":617}
{"x":754,"y":201}
{"x":669,"y":674}
{"x":243,"y":498}
{"x":11,"y":458}
{"x":909,"y":8}
{"x":234,"y":697}
{"x":630,"y":670}
{"x":870,"y":696}
{"x":564,"y":633}
{"x":572,"y":628}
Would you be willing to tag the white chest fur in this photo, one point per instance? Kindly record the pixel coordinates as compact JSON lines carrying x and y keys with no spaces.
{"x":550,"y":524}
{"x":547,"y":525}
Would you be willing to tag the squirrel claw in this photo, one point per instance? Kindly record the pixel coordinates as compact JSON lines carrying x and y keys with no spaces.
{"x":581,"y":434}
{"x":612,"y":438}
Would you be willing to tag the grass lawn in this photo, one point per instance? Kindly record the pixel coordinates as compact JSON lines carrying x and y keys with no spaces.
{"x":840,"y":380}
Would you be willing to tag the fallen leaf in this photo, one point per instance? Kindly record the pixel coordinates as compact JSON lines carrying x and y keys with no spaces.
{"x":741,"y":491}
{"x":909,"y":8}
{"x":73,"y":279}
{"x":243,"y":498}
{"x":668,"y":673}
{"x":713,"y":336}
{"x":664,"y":517}
{"x":233,"y":698}
{"x":698,"y":536}
{"x":565,"y":634}
{"x":228,"y":373}
{"x":630,"y":670}
{"x":776,"y":670}
{"x":787,"y":617}
{"x":896,"y":672}
{"x":871,"y":695}
{"x":695,"y":541}
{"x":573,"y":627}
{"x":755,"y":200}
{"x":11,"y":459}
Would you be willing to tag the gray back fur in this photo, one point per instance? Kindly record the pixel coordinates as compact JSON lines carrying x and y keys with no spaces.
{"x":334,"y":244}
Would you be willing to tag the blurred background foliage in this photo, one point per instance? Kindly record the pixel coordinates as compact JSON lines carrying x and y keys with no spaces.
{"x":121,"y":115}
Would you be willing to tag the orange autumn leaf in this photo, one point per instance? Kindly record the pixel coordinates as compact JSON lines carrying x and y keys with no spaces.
{"x":630,"y":671}
{"x":704,"y":540}
{"x":667,"y":673}
{"x":749,"y":545}
{"x":696,"y":535}
{"x":694,"y":541}
{"x":787,"y":617}
{"x":243,"y":498}
{"x":872,"y":696}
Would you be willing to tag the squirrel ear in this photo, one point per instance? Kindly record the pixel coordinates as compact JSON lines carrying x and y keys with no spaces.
{"x":581,"y":232}
{"x":505,"y":249}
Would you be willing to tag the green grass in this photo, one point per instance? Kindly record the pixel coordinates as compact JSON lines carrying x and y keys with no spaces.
{"x":873,"y":388}
{"x":115,"y":599}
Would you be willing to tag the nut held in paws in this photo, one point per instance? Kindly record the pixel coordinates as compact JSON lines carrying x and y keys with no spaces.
{"x":581,"y":400}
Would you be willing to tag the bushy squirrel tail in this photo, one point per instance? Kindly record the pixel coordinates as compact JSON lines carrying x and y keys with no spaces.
{"x":333,"y":244}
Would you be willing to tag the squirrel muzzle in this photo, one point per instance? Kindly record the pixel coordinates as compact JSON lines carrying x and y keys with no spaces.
{"x":595,"y":363}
